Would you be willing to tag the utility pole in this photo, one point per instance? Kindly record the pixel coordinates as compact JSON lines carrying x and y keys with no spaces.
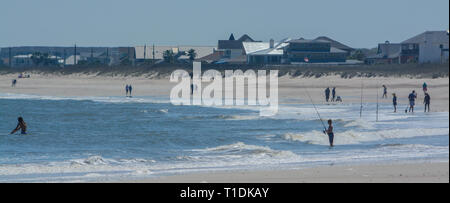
{"x":153,"y":53}
{"x":377,"y":103}
{"x":64,"y":64}
{"x":145,"y":51}
{"x":10,"y":57}
{"x":107,"y":55}
{"x":75,"y":55}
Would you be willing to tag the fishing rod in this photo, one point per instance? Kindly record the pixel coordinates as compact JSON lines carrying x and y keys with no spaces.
{"x":377,"y":103}
{"x":361,"y":108}
{"x":315,"y":108}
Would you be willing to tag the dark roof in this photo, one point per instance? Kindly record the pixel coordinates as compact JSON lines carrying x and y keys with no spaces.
{"x":335,"y":43}
{"x":232,"y":37}
{"x":246,"y":38}
{"x":431,"y":36}
{"x":388,"y":50}
{"x":216,"y":56}
{"x":230,"y":44}
{"x":301,"y":40}
{"x":234,"y":44}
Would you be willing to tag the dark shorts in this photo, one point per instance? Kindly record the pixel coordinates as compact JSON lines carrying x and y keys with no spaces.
{"x":331,"y":137}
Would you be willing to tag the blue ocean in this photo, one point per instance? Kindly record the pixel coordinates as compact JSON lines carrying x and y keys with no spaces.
{"x":90,"y":139}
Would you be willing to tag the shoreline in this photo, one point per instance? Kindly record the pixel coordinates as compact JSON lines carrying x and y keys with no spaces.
{"x":407,"y":172}
{"x":290,"y":90}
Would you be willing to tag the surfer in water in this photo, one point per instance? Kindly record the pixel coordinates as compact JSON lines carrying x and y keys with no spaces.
{"x":330,"y":133}
{"x":21,"y":126}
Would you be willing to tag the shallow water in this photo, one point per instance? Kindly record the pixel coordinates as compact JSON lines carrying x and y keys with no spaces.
{"x":114,"y":138}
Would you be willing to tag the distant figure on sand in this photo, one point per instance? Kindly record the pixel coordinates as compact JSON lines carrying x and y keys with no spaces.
{"x":13,"y":83}
{"x":338,"y":99}
{"x":327,"y":94}
{"x":385,"y":92}
{"x":333,"y":94}
{"x":412,"y":101}
{"x":330,"y":133}
{"x":427,"y":102}
{"x":130,"y":89}
{"x":425,"y":87}
{"x":394,"y":102}
{"x":127,"y":90}
{"x":20,"y":126}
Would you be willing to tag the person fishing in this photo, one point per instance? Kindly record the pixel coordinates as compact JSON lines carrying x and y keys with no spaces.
{"x":412,"y":101}
{"x":327,"y":94}
{"x":394,"y":102}
{"x":427,"y":102}
{"x":330,"y":133}
{"x":20,"y":126}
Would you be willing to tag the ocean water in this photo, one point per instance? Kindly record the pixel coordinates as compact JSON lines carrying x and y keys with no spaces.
{"x":83,"y":139}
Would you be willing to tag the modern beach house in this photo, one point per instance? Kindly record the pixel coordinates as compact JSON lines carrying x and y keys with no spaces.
{"x":301,"y":50}
{"x":428,"y":47}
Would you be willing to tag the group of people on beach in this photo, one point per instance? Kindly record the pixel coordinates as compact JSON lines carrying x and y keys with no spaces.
{"x":334,"y":97}
{"x":128,"y":90}
{"x":412,"y":99}
{"x":14,"y":81}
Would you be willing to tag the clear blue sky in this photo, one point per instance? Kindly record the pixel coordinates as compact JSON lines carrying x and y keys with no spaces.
{"x":358,"y":23}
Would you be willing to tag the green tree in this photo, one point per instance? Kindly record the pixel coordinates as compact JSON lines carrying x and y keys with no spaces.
{"x":358,"y":55}
{"x":168,"y":56}
{"x":192,"y":54}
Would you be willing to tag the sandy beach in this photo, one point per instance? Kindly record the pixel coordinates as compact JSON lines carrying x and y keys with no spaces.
{"x":291,"y":90}
{"x":375,"y":173}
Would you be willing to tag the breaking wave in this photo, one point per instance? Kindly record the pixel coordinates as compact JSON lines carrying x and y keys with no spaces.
{"x":356,"y":137}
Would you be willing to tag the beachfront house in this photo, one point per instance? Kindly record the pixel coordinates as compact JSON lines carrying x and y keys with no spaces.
{"x":428,"y":47}
{"x":388,"y":53}
{"x":22,"y":61}
{"x":313,"y":51}
{"x":265,"y":52}
{"x":431,"y":46}
{"x":337,"y":44}
{"x":229,"y":51}
{"x":299,"y":51}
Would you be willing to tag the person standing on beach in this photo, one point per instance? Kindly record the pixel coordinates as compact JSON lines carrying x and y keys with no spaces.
{"x":333,"y":94}
{"x":412,"y":101}
{"x":427,"y":102}
{"x":327,"y":94}
{"x":130,"y":89}
{"x":385,"y":92}
{"x":394,"y":101}
{"x":425,"y":87}
{"x":20,"y":126}
{"x":127,"y":89}
{"x":330,"y":133}
{"x":13,"y":83}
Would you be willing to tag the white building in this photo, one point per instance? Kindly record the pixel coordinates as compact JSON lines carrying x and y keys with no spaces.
{"x":265,"y":52}
{"x":22,"y":60}
{"x":433,"y":46}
